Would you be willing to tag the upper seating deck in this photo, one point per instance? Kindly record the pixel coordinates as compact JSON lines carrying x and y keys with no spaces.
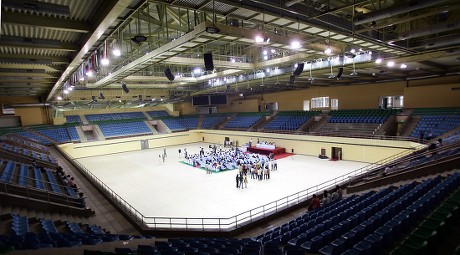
{"x":124,"y":128}
{"x":115,"y":116}
{"x":245,"y":120}
{"x":290,"y":120}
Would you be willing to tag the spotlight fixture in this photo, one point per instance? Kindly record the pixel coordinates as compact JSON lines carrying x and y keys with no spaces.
{"x":403,"y":66}
{"x":116,"y":52}
{"x":295,"y":45}
{"x":378,"y":60}
{"x":328,"y":51}
{"x":89,"y":73}
{"x":390,"y":63}
{"x":262,"y":39}
{"x":59,"y":98}
{"x":105,"y":61}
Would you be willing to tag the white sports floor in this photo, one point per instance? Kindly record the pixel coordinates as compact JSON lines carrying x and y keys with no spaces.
{"x":173,"y":189}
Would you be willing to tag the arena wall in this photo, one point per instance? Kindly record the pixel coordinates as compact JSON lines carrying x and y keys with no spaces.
{"x":362,"y":150}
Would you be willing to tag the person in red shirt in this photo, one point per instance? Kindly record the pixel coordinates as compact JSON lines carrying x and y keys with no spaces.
{"x":315,"y":203}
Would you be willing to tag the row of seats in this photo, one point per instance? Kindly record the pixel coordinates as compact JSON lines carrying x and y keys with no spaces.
{"x":48,"y":236}
{"x":245,"y":120}
{"x":34,"y":137}
{"x":181,"y":123}
{"x":210,"y":121}
{"x":28,"y":153}
{"x":156,"y":114}
{"x":125,"y":129}
{"x":290,"y":120}
{"x":58,"y":134}
{"x":435,"y":125}
{"x":424,"y":239}
{"x":34,"y":179}
{"x":367,"y":223}
{"x":437,"y":111}
{"x":115,"y":116}
{"x":195,"y":246}
{"x":360,"y":116}
{"x":19,"y":140}
{"x":73,"y":119}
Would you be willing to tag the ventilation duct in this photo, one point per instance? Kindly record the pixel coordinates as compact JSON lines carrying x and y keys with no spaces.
{"x":25,"y":61}
{"x":395,"y":10}
{"x":37,"y":7}
{"x":432,"y":30}
{"x":26,"y":105}
{"x":448,"y":41}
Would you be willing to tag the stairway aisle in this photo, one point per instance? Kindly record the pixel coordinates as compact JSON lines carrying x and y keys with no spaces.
{"x":106,"y":215}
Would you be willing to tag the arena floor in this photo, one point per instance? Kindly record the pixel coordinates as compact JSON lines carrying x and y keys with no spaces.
{"x":174,"y":189}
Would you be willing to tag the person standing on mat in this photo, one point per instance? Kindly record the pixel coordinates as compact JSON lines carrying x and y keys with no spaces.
{"x":237,"y":180}
{"x":245,"y":180}
{"x":241,"y":178}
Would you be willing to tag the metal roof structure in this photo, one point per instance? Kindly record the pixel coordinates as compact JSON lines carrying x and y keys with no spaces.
{"x":50,"y":47}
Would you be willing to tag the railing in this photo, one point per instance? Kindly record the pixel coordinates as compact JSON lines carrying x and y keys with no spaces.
{"x":230,"y":223}
{"x":44,"y":195}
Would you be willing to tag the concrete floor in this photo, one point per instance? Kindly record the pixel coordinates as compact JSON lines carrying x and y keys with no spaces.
{"x":173,"y":189}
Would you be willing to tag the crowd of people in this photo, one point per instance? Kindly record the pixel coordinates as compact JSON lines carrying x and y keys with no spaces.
{"x":69,"y":181}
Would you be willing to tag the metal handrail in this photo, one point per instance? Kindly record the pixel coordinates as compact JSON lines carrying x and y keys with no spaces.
{"x":233,"y":222}
{"x":62,"y":187}
{"x":36,"y":193}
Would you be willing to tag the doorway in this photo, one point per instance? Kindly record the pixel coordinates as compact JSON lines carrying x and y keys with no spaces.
{"x":336,"y":153}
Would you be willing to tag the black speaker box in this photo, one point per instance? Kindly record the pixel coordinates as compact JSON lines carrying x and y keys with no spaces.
{"x":340,"y":72}
{"x":168,"y":74}
{"x":208,"y":64}
{"x":299,"y":69}
{"x":125,"y":89}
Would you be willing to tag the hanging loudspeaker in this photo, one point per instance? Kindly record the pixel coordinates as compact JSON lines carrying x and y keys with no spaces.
{"x":299,"y":69}
{"x":340,"y":72}
{"x":94,"y":98}
{"x":101,"y":96}
{"x":208,"y":64}
{"x":125,"y":89}
{"x":168,"y":74}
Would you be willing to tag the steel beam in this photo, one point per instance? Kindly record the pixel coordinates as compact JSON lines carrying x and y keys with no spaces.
{"x":47,"y":22}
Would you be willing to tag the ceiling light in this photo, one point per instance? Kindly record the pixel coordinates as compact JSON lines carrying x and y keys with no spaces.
{"x":268,"y":70}
{"x":116,"y":52}
{"x":370,"y":52}
{"x":328,"y":51}
{"x":390,"y":63}
{"x":232,"y":60}
{"x":66,"y":91}
{"x":265,"y":57}
{"x":105,"y":61}
{"x":403,"y":66}
{"x":352,"y":50}
{"x":82,"y":78}
{"x":378,"y":61}
{"x":296,"y":65}
{"x":265,"y":52}
{"x":295,"y":45}
{"x":273,"y":51}
{"x":70,"y":88}
{"x":353,"y":73}
{"x":59,"y":98}
{"x":259,"y":39}
{"x":89,"y":73}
